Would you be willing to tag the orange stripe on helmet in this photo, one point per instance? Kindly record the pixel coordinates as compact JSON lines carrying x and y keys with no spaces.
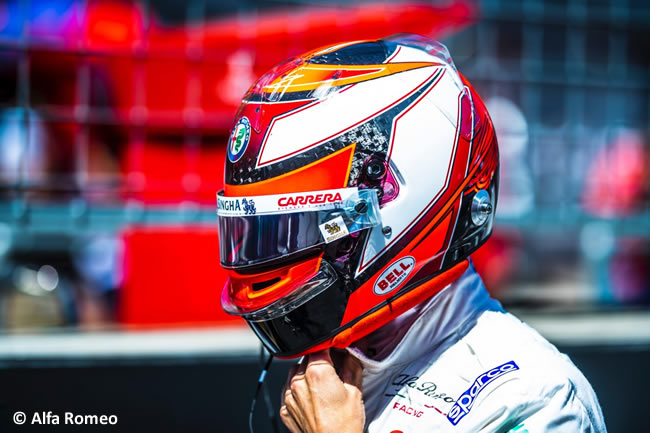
{"x":311,"y":76}
{"x":330,"y":172}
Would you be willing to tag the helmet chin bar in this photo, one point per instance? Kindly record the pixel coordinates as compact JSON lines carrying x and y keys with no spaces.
{"x":342,"y":336}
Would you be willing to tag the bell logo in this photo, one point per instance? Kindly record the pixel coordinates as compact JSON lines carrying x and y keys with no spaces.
{"x":394,"y":276}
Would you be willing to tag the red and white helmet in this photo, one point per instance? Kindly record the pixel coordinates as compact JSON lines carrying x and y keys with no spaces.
{"x":359,"y":178}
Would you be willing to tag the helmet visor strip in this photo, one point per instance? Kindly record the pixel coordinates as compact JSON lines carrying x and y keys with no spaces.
{"x":257,"y":229}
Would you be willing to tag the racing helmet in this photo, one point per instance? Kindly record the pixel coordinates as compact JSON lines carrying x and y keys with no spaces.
{"x":358,"y":179}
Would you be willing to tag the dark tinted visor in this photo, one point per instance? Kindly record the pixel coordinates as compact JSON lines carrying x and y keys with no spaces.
{"x":255,"y":230}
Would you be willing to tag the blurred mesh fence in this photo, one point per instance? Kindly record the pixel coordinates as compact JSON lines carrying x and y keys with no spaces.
{"x":578,"y":73}
{"x":567,"y":84}
{"x":115,"y":114}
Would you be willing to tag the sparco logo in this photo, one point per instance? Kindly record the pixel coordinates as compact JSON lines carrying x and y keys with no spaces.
{"x":297,"y":200}
{"x":466,"y":401}
{"x":394,"y":276}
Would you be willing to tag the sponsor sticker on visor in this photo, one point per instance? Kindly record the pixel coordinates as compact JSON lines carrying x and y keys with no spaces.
{"x":334,"y":229}
{"x":284,"y":203}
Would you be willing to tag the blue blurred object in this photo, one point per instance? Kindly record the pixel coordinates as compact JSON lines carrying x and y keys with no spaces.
{"x":49,"y":19}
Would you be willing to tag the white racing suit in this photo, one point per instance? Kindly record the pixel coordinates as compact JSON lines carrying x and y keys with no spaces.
{"x":460,"y":363}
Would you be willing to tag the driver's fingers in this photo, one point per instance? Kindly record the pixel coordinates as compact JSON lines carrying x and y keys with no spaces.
{"x":285,"y":387}
{"x":300,"y":389}
{"x":320,"y":370}
{"x":288,"y":413}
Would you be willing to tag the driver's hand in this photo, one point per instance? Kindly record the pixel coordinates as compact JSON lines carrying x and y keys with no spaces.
{"x":317,"y":399}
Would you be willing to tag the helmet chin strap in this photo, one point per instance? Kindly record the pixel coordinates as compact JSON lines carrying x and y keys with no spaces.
{"x":400,"y":305}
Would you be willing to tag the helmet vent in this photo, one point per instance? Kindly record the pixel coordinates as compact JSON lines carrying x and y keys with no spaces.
{"x":264,"y":284}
